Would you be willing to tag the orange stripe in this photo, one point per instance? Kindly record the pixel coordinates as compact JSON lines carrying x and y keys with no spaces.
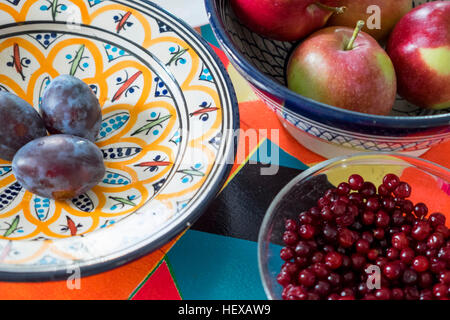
{"x":439,"y":154}
{"x":113,"y":285}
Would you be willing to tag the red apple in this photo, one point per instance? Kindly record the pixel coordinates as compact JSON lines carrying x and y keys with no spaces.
{"x":390,"y":12}
{"x":420,"y":50}
{"x":345,"y":68}
{"x":285,"y":20}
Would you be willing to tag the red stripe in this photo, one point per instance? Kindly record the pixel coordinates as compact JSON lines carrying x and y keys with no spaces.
{"x":159,"y":286}
{"x":17,"y":62}
{"x":154,"y":164}
{"x":205,"y":110}
{"x":72,"y":227}
{"x":126,"y":85}
{"x":123,"y":21}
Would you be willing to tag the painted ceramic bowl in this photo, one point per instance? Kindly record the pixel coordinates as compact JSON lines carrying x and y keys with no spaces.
{"x":430,"y":184}
{"x":167,"y":136}
{"x":324,"y":129}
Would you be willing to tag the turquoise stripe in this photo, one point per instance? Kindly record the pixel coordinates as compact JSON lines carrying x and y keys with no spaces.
{"x":209,"y":267}
{"x":269,"y":152}
{"x":208,"y":34}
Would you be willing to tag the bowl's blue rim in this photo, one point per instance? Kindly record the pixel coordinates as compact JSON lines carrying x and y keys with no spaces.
{"x":296,"y":102}
{"x":305,"y":174}
{"x":106,"y":265}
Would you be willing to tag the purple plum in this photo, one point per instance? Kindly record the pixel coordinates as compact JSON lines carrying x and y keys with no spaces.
{"x":59,"y":166}
{"x":70,"y":107}
{"x":20,"y":123}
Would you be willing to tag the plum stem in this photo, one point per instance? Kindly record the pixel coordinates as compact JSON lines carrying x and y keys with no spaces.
{"x":358,"y":28}
{"x":337,"y":10}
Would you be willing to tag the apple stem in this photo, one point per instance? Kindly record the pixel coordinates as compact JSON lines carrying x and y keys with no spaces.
{"x":337,"y":10}
{"x":358,"y":28}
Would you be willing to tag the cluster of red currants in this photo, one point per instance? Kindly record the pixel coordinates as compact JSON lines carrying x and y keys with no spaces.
{"x":357,"y":227}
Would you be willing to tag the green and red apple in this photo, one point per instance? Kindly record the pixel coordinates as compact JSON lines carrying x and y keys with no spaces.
{"x":389,"y":11}
{"x":285,"y":20}
{"x":344,"y":68}
{"x":419,"y":47}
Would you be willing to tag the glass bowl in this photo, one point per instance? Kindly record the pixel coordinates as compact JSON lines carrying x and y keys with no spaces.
{"x":430,"y":184}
